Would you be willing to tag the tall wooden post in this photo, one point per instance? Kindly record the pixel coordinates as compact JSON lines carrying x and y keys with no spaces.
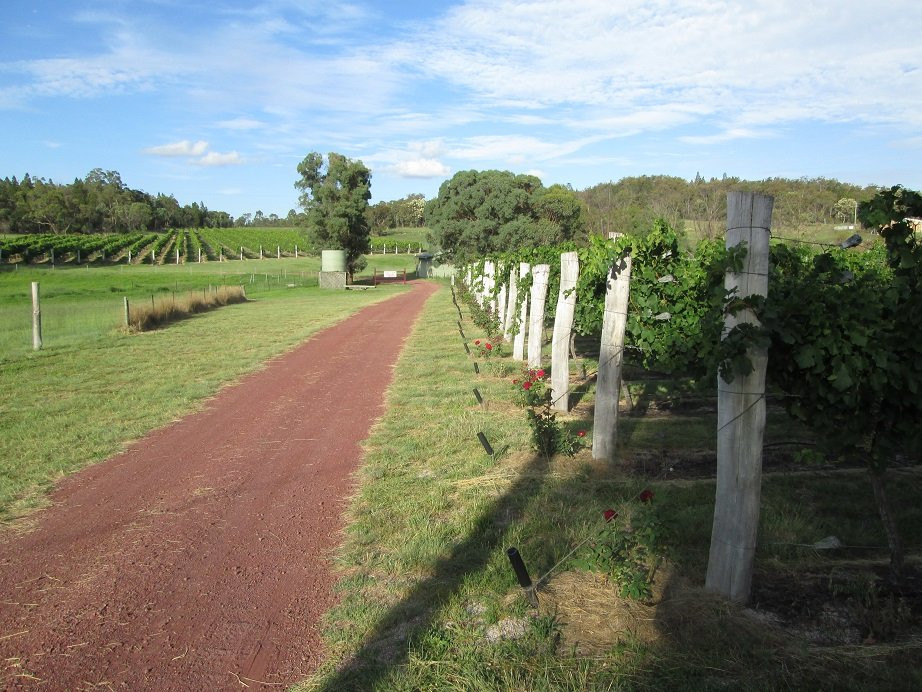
{"x":518,"y":345}
{"x":489,"y":284}
{"x":741,"y":413}
{"x":512,"y":298}
{"x":611,"y":356}
{"x":540,"y":274}
{"x":563,"y":327}
{"x":501,"y":307}
{"x":36,"y":318}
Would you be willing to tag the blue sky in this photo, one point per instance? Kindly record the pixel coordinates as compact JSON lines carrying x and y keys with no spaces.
{"x":217,"y":101}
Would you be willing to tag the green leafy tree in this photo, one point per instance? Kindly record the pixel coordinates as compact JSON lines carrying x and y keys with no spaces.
{"x":482,"y":212}
{"x":335,"y":197}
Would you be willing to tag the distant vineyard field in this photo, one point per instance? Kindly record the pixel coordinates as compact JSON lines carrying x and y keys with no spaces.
{"x":178,"y":246}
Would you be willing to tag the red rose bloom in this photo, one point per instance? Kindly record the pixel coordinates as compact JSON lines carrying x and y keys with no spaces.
{"x":477,"y":342}
{"x":540,"y":373}
{"x":581,"y":433}
{"x":646,"y":495}
{"x":489,"y":346}
{"x":526,"y":385}
{"x":609,"y":514}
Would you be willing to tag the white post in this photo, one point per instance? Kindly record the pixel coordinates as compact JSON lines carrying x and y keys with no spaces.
{"x":296,"y":252}
{"x":153,"y":259}
{"x":489,"y":286}
{"x":611,"y":355}
{"x":200,"y":255}
{"x":518,"y":345}
{"x":741,"y":412}
{"x":540,"y":274}
{"x":36,"y":318}
{"x":129,"y":257}
{"x":278,"y":252}
{"x":177,"y":255}
{"x":501,"y":307}
{"x":241,"y":253}
{"x":563,"y":326}
{"x":260,"y":252}
{"x":511,"y":299}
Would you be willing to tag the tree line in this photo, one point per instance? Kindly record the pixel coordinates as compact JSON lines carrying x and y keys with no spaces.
{"x":632,"y":204}
{"x":98,"y":203}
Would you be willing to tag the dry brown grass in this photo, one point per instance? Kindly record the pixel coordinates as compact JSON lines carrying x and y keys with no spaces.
{"x":144,"y":317}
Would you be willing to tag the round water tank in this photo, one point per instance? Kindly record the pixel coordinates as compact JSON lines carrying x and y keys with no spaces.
{"x":333,"y":260}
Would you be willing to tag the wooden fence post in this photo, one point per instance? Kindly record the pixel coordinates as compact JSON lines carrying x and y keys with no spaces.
{"x":518,"y":346}
{"x":501,"y":307}
{"x":512,"y":297}
{"x":611,"y":355}
{"x":36,"y":318}
{"x":127,"y":314}
{"x":489,"y":286}
{"x":741,"y":413}
{"x":540,"y":274}
{"x":563,"y":327}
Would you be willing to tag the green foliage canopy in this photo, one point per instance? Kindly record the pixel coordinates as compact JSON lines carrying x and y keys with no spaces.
{"x":335,"y":198}
{"x":481,"y":212}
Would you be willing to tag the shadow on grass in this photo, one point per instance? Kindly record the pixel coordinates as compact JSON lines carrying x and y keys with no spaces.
{"x":386,"y":646}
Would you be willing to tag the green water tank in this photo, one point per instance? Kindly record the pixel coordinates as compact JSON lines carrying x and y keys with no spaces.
{"x":333,"y":260}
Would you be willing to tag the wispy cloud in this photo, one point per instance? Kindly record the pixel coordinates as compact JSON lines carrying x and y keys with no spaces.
{"x":183,"y":147}
{"x":727,"y":136}
{"x":213,"y":158}
{"x":196,"y":153}
{"x":420,"y":168}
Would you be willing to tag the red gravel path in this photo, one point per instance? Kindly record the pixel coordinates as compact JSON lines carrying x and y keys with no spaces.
{"x":197,"y":559}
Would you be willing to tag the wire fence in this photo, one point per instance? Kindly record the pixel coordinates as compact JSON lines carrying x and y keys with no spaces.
{"x":71,"y":319}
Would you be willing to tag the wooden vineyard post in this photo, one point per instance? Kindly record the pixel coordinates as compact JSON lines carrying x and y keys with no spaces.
{"x":278,"y":252}
{"x":489,"y":284}
{"x":563,"y":327}
{"x":540,"y":274}
{"x":177,"y":255}
{"x":511,"y":299}
{"x":741,"y":412}
{"x":518,"y":345}
{"x":36,"y":318}
{"x":501,"y":307}
{"x":127,"y":313}
{"x":611,"y":357}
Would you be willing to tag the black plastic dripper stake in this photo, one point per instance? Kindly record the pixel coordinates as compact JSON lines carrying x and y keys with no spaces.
{"x":478,"y":396}
{"x":521,"y":574}
{"x":486,"y":445}
{"x":476,"y":368}
{"x":467,"y":348}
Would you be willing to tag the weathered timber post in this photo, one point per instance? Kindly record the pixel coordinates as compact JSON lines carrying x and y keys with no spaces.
{"x":540,"y":274}
{"x":611,"y":356}
{"x":741,"y":412}
{"x":489,"y":285}
{"x":36,"y":318}
{"x":563,"y":326}
{"x":518,"y":346}
{"x":501,"y":307}
{"x":511,"y":299}
{"x":127,"y":313}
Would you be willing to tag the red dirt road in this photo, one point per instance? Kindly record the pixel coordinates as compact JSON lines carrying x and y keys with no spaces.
{"x":197,"y":559}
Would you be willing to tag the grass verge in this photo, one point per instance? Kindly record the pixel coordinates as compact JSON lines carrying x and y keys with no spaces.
{"x":65,"y":407}
{"x":428,"y":600}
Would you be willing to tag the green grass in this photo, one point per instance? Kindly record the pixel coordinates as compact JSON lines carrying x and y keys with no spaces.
{"x":70,"y":405}
{"x":425,"y":574}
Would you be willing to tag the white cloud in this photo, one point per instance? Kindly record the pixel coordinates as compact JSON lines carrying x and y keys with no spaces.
{"x":213,"y":158}
{"x":241,"y":124}
{"x":420,"y":168}
{"x":183,"y":147}
{"x":726,"y":136}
